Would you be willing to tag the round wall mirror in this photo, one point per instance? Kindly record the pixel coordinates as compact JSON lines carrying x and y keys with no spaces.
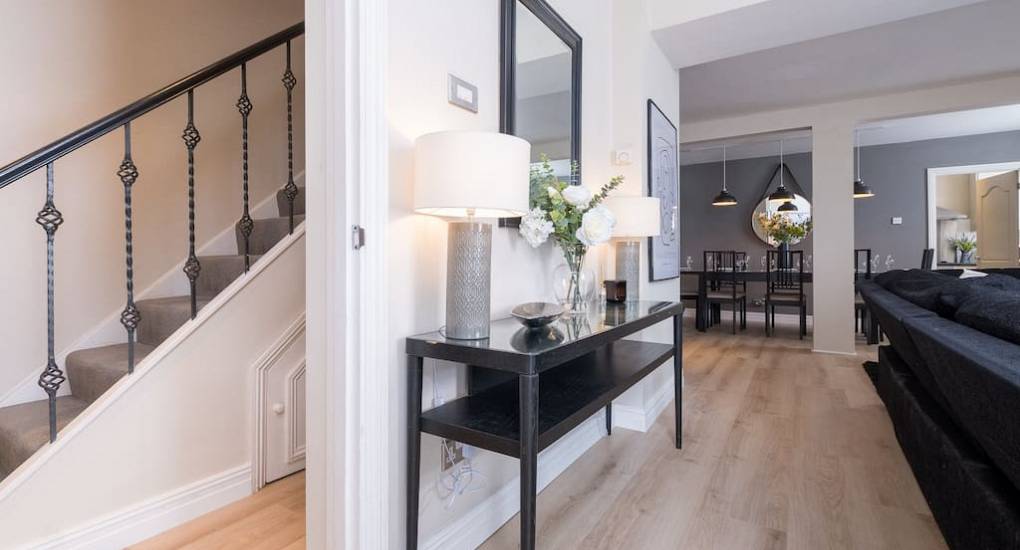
{"x":802,"y":213}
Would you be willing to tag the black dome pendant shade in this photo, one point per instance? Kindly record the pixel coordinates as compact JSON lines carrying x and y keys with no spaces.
{"x":781,"y":194}
{"x":724,"y":198}
{"x":861,"y":191}
{"x":787,"y":207}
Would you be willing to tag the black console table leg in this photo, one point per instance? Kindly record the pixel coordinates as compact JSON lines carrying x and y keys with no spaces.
{"x":609,"y":419}
{"x":528,"y":388}
{"x":414,"y":375}
{"x":678,"y":373}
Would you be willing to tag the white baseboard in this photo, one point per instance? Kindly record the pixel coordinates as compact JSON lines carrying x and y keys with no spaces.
{"x":157,"y":515}
{"x":110,"y":331}
{"x":473,"y":528}
{"x":641,"y":419}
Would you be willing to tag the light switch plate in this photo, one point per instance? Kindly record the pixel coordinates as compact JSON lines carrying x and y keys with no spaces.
{"x":897,"y":220}
{"x":462,"y":93}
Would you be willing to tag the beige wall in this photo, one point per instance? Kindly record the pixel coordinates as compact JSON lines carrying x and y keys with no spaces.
{"x":73,"y":62}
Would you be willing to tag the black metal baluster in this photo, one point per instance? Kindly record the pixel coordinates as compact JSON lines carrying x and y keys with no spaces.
{"x":130,"y":317}
{"x":244,"y":106}
{"x":52,"y":377}
{"x":290,"y":190}
{"x":191,"y":137}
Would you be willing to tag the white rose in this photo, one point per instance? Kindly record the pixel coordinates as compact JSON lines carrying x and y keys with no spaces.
{"x":552,"y":192}
{"x":577,"y":195}
{"x":535,"y":227}
{"x":596,"y":226}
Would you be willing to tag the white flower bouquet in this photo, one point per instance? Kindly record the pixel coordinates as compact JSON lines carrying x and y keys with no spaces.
{"x":572,"y":215}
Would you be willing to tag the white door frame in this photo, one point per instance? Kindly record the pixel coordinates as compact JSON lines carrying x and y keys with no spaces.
{"x":348,"y":486}
{"x":934,"y":173}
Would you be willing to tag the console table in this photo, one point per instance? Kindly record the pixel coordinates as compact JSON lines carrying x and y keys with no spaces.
{"x":559,"y":376}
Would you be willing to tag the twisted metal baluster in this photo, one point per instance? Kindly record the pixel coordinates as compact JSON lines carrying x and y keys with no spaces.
{"x":130,"y":317}
{"x":290,"y":190}
{"x":244,"y":106}
{"x":191,"y":137}
{"x":52,"y":377}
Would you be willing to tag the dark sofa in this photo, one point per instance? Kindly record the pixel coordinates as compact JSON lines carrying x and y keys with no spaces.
{"x":950,"y":379}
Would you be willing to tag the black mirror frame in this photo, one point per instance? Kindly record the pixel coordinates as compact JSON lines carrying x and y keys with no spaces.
{"x":507,"y":72}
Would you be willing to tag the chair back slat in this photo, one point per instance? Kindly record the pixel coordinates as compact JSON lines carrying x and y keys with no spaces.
{"x":785,"y":274}
{"x":859,"y":255}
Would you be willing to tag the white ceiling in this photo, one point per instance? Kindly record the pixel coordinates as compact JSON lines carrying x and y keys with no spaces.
{"x":973,"y":41}
{"x":962,"y":123}
{"x":692,"y":32}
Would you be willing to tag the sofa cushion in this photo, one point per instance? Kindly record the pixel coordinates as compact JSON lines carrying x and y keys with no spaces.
{"x":979,"y":377}
{"x":918,"y":286}
{"x":992,"y":312}
{"x":955,"y":292}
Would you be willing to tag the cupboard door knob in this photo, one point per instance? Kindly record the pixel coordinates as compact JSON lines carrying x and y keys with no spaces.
{"x":278,"y":408}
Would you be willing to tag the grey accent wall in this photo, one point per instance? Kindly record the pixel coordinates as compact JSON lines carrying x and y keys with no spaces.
{"x":897,"y":173}
{"x":706,"y":227}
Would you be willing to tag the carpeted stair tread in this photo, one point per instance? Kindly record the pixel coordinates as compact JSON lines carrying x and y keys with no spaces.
{"x":92,"y":371}
{"x":284,"y":206}
{"x":25,"y":428}
{"x":219,"y":271}
{"x":266,"y":233}
{"x":162,"y":316}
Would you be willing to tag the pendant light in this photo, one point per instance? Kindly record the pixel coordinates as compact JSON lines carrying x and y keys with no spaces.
{"x":724,"y":198}
{"x":787,"y":207}
{"x":861,"y":191}
{"x":781,"y":194}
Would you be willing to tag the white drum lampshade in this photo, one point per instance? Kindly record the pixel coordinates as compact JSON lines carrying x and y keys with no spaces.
{"x":470,"y":174}
{"x":636,"y":217}
{"x":464,"y":173}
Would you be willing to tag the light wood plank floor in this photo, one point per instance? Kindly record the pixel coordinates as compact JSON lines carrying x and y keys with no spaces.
{"x":272,"y":519}
{"x":783,"y":449}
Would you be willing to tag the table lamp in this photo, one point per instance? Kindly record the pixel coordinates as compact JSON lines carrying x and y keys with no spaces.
{"x":636,"y":217}
{"x":470,"y":174}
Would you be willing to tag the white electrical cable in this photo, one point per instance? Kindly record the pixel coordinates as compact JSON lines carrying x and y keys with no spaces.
{"x":457,"y":480}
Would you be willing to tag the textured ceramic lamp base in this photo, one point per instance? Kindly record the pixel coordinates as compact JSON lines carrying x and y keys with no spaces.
{"x":468,"y":267}
{"x":628,"y":266}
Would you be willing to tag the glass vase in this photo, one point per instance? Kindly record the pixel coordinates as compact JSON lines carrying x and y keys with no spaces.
{"x":573,"y":283}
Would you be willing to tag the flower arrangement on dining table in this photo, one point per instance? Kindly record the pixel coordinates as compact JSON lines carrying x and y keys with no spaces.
{"x":783,"y":229}
{"x":571,"y":215}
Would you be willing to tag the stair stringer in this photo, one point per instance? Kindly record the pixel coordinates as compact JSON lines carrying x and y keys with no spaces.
{"x":172,"y":283}
{"x":183,"y":417}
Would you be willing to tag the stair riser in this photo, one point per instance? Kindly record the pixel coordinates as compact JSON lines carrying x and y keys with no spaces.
{"x":218,"y":272}
{"x":158,"y":323}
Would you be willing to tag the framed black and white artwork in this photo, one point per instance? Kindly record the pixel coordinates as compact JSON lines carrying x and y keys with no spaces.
{"x":663,"y":183}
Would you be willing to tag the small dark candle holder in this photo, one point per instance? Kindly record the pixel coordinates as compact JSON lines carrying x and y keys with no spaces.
{"x":616,"y":290}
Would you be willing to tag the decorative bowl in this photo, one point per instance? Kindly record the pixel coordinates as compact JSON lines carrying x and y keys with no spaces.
{"x":537,"y":314}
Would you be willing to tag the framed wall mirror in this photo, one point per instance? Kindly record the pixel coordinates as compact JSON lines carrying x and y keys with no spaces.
{"x":540,"y":85}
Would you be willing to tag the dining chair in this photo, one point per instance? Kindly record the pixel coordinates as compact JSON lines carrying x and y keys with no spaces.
{"x":927,"y":259}
{"x":862,"y":257}
{"x":785,"y":288}
{"x":724,"y":286}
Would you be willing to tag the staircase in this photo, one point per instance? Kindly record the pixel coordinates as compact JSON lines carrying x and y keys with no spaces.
{"x":90,"y":372}
{"x":24,"y":428}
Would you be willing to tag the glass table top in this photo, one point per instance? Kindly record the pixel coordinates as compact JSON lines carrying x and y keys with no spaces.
{"x":509,"y":335}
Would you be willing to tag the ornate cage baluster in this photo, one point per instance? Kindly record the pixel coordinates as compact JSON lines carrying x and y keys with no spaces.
{"x":290,"y":190}
{"x":52,"y":377}
{"x":191,"y":137}
{"x":130,"y":317}
{"x":244,"y":106}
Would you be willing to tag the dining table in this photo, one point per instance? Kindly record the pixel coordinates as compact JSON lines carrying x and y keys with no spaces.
{"x":742,"y":275}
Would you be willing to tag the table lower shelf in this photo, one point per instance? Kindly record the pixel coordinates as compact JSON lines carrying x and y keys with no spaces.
{"x":568,"y":394}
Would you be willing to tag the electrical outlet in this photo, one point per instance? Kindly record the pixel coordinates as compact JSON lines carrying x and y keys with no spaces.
{"x":452,"y":453}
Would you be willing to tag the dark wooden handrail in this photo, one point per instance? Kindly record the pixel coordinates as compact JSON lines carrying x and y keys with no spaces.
{"x":37,"y":159}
